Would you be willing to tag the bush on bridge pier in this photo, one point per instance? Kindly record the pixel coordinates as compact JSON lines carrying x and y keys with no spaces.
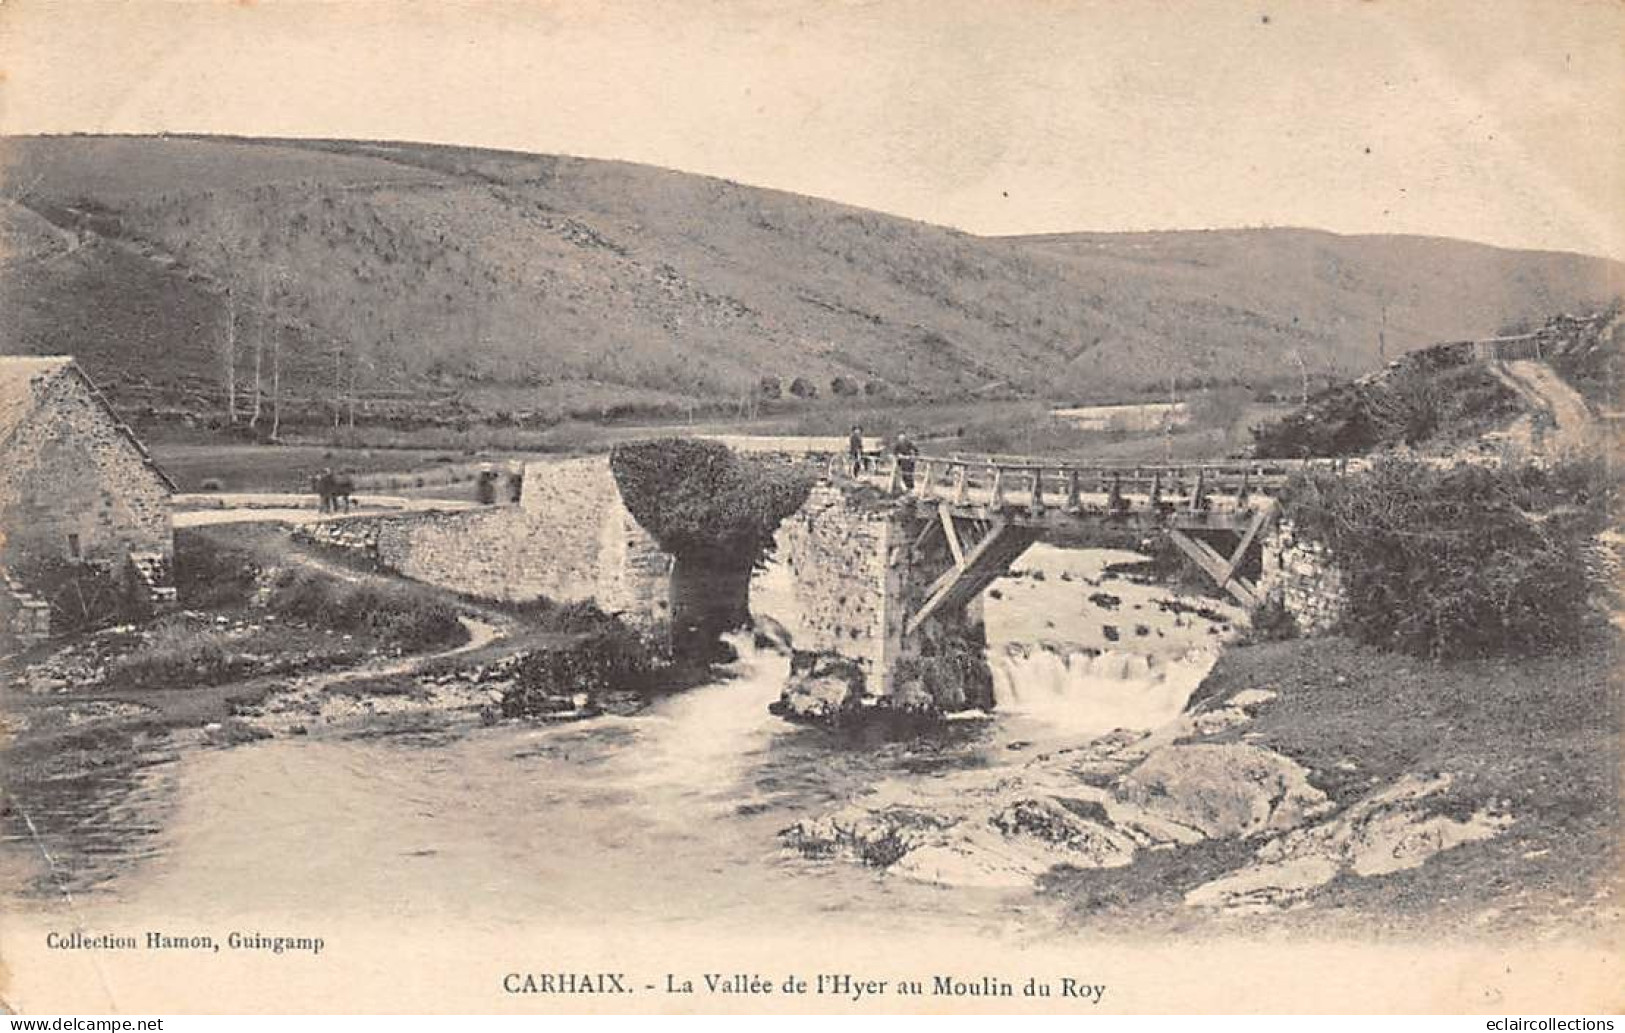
{"x":1468,"y":560}
{"x":700,"y":498}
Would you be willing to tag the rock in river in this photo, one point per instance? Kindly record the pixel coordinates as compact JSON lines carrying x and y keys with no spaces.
{"x":823,"y":688}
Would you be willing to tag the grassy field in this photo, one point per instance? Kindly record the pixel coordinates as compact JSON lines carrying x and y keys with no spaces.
{"x":234,"y":466}
{"x":390,"y":461}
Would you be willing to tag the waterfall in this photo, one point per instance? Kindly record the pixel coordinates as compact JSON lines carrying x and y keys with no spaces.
{"x":1084,"y":692}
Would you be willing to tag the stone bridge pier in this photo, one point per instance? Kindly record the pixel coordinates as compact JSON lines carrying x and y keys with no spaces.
{"x":860,"y":566}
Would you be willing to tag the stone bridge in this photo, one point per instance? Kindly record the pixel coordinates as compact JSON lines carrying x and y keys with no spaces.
{"x":884,"y":567}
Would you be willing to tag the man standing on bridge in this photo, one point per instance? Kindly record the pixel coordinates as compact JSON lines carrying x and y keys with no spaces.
{"x":854,"y":450}
{"x":905,"y":451}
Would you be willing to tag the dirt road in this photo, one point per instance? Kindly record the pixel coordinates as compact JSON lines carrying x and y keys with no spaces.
{"x":1573,"y":427}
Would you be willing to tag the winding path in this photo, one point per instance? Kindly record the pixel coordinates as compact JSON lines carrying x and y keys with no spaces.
{"x":1541,"y":386}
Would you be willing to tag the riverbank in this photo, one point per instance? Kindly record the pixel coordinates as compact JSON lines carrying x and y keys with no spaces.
{"x":279,"y":640}
{"x":1315,"y":786}
{"x":1533,"y":739}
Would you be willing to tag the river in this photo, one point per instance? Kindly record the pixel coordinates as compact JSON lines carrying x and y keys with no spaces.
{"x":666,"y":819}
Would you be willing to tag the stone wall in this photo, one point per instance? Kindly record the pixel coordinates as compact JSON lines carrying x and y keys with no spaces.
{"x":569,"y":539}
{"x":841,"y":556}
{"x":1300,"y":572}
{"x":25,"y":618}
{"x":75,"y":485}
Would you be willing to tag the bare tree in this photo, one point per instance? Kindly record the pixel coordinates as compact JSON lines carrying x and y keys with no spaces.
{"x":222,"y":248}
{"x":276,"y":383}
{"x":259,"y":345}
{"x":338,"y":385}
{"x":229,"y":358}
{"x":350,"y":397}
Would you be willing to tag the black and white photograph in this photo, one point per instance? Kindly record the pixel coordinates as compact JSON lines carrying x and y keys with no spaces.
{"x":811,"y":506}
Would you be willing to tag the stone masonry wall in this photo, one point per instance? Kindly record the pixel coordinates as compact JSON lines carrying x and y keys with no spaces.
{"x":839,"y":558}
{"x":570,"y":539}
{"x":25,"y":619}
{"x":69,"y":470}
{"x":1301,"y":573}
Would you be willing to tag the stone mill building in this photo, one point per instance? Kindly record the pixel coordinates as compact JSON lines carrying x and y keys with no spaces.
{"x":76,"y":487}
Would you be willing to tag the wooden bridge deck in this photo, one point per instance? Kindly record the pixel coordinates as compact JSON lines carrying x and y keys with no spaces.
{"x":1046,"y":493}
{"x":990,"y":508}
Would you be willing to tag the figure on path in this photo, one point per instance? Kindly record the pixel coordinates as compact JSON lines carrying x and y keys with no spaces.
{"x":854,"y":449}
{"x":343,"y":489}
{"x":332,"y":490}
{"x":323,"y":483}
{"x":905,"y":450}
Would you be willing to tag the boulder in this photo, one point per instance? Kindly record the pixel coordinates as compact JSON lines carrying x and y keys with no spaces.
{"x":912,"y":697}
{"x":232,"y":731}
{"x":1388,"y":831}
{"x":1080,"y":828}
{"x":877,"y":837}
{"x":823,"y":689}
{"x":1212,"y":722}
{"x":1251,"y":697}
{"x":1022,"y":841}
{"x":771,"y":634}
{"x":1223,"y":790}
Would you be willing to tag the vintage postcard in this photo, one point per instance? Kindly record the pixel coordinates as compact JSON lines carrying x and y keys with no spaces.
{"x":840,"y":506}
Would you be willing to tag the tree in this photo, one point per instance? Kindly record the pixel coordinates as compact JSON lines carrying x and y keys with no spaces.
{"x":218,"y":239}
{"x":276,"y":383}
{"x":229,"y":357}
{"x":801,"y":387}
{"x":844,"y":387}
{"x":769,"y":387}
{"x":259,"y":346}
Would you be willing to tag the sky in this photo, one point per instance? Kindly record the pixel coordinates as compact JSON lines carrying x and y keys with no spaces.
{"x":1494,"y":120}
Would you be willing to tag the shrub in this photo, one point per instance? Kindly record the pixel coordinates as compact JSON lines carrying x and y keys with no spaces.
{"x":845,"y":387}
{"x":699,"y":498}
{"x":546,"y":681}
{"x":801,"y":387}
{"x":1272,"y":622}
{"x":580,"y":616}
{"x":1468,"y":560}
{"x":209,"y":575}
{"x":82,"y":595}
{"x":399,"y":615}
{"x":769,"y":388}
{"x":1432,"y":396}
{"x":176,"y":654}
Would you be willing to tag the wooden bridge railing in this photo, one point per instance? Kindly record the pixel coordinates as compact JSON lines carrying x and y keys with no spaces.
{"x":1003,"y":481}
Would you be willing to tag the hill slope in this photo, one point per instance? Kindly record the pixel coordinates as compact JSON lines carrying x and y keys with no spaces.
{"x":442,"y":280}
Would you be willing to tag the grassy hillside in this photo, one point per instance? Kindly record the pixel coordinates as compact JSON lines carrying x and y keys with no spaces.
{"x":445,"y":284}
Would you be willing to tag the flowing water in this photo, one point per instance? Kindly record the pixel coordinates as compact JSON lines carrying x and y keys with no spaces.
{"x":668,"y":817}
